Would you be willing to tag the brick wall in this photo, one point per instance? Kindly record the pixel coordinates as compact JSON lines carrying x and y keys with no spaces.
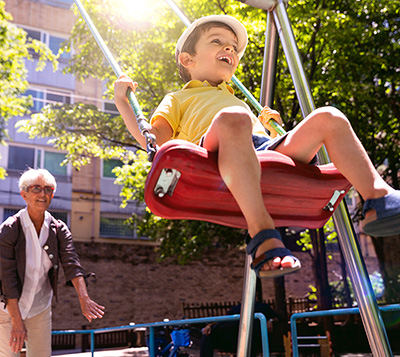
{"x":135,"y":287}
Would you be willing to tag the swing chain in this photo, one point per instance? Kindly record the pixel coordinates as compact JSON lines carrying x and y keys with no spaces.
{"x":144,"y":127}
{"x":151,"y":146}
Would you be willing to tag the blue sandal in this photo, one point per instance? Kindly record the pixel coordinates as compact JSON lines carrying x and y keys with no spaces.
{"x":388,"y":215}
{"x":258,"y":263}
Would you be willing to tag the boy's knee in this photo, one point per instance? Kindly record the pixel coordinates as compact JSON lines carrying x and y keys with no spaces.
{"x":234,"y":119}
{"x":332,"y":115}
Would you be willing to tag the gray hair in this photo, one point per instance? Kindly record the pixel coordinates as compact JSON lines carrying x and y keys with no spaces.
{"x":29,"y":177}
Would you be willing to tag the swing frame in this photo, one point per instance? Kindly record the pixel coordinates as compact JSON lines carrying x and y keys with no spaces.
{"x":278,"y":25}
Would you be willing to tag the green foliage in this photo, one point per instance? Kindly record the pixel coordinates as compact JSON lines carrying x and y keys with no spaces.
{"x":80,"y":129}
{"x":339,"y":293}
{"x":350,"y":51}
{"x":330,"y":236}
{"x":14,"y":50}
{"x":181,"y":240}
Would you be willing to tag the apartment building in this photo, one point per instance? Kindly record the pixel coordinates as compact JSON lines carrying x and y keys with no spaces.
{"x":88,"y":200}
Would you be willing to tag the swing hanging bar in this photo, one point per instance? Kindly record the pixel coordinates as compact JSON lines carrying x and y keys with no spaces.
{"x":254,"y":102}
{"x":143,"y":125}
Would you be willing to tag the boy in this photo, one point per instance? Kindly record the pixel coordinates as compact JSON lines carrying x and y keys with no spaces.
{"x":207,"y":113}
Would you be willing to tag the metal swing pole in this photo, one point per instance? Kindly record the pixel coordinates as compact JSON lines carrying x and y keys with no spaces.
{"x":250,"y":278}
{"x":371,"y":316}
{"x":143,"y":125}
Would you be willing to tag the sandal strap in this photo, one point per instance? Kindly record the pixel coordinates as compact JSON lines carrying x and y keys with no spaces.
{"x":259,"y":238}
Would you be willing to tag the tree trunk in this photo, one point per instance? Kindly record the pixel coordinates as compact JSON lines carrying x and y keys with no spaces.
{"x":324,"y":295}
{"x":280,"y":295}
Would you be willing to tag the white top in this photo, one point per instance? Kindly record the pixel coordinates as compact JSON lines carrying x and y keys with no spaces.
{"x":36,"y":293}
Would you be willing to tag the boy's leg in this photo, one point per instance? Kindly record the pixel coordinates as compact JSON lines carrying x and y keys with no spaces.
{"x":328,"y":126}
{"x":230,"y":134}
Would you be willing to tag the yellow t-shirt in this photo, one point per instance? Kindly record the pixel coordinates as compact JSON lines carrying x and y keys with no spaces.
{"x":190,"y":110}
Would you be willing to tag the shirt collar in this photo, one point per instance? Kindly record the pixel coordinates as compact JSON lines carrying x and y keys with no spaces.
{"x":197,"y":84}
{"x":26,"y":220}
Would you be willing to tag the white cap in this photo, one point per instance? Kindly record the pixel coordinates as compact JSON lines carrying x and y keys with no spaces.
{"x":235,"y":25}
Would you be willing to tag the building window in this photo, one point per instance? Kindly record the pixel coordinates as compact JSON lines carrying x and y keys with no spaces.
{"x":8,"y":212}
{"x":58,"y":97}
{"x":38,"y":99}
{"x":53,"y":42}
{"x":52,"y":162}
{"x":21,"y":158}
{"x":63,"y":216}
{"x":42,"y":97}
{"x":109,"y":165}
{"x":110,"y":108}
{"x":33,"y":34}
{"x":65,"y":4}
{"x":116,"y":228}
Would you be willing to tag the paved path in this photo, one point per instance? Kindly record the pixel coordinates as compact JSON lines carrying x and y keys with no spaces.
{"x":126,"y":352}
{"x":143,"y":352}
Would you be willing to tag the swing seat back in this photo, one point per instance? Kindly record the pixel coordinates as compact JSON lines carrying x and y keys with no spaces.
{"x":184,"y":183}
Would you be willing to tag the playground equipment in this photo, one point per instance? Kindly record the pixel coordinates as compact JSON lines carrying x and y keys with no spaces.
{"x":278,"y":25}
{"x":320,"y":345}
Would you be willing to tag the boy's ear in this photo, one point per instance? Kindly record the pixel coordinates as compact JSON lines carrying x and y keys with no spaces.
{"x":185,"y":59}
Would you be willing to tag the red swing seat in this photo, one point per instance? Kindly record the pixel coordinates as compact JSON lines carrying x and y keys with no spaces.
{"x":184,"y":183}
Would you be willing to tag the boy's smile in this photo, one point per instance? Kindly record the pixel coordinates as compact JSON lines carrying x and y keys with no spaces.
{"x":216,"y":57}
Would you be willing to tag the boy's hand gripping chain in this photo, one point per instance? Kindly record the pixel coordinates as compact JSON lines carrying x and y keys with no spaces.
{"x":143,"y":125}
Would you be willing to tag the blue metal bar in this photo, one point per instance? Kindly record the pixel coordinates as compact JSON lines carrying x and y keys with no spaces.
{"x":152,"y":351}
{"x":333,"y":312}
{"x":152,"y":325}
{"x":92,"y":343}
{"x":264,"y":334}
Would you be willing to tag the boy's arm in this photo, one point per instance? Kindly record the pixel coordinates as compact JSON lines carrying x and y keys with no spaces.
{"x":161,"y":129}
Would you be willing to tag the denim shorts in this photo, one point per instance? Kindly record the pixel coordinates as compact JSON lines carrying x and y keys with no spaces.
{"x":262,"y":143}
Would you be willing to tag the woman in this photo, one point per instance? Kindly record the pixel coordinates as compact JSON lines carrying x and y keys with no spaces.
{"x":32,"y":245}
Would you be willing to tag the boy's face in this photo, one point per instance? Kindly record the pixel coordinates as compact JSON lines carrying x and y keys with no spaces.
{"x":216,"y":56}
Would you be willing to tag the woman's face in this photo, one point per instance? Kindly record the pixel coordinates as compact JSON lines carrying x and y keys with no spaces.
{"x":38,"y":195}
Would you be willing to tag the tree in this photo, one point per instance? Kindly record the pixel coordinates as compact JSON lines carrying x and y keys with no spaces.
{"x":15,"y":49}
{"x":85,"y":132}
{"x":349,"y":51}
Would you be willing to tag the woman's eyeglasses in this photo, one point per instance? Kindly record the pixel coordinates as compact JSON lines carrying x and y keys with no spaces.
{"x":37,"y":189}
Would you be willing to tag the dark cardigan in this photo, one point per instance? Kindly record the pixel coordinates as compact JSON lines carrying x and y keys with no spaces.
{"x":59,"y":248}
